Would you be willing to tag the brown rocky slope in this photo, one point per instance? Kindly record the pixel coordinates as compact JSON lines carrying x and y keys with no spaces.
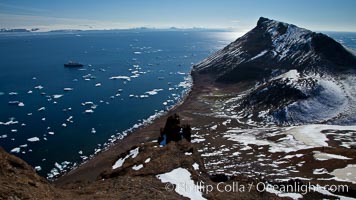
{"x":20,"y":181}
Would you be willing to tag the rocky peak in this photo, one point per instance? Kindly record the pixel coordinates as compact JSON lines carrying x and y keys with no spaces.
{"x":262,"y":20}
{"x":269,"y":25}
{"x":275,"y":45}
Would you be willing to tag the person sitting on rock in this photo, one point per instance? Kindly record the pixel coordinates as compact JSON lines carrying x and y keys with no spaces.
{"x":173,"y":131}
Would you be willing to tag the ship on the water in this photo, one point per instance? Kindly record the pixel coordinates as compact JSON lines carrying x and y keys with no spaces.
{"x":73,"y":64}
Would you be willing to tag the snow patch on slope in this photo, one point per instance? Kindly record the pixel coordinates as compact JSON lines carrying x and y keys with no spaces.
{"x":347,"y":174}
{"x":297,"y":138}
{"x":184,"y":185}
{"x":133,"y":153}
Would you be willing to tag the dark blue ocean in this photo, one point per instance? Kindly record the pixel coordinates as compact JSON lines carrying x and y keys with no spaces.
{"x":55,"y":117}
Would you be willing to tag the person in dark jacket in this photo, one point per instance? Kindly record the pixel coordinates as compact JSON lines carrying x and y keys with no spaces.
{"x":173,"y":131}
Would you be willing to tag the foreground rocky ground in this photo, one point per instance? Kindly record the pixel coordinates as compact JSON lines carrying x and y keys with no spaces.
{"x":19,"y":180}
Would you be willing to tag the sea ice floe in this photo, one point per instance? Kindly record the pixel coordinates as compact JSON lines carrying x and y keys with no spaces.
{"x":15,"y":150}
{"x":10,"y":122}
{"x":70,"y":119}
{"x":143,"y":96}
{"x":38,"y":168}
{"x":57,"y":96}
{"x":39,"y":87}
{"x":186,"y":84}
{"x":93,"y":131}
{"x":53,"y":173}
{"x":120,"y":77}
{"x":3,"y":136}
{"x":58,"y":169}
{"x":21,"y":104}
{"x":154,"y":91}
{"x":89,"y":111}
{"x":87,"y":103}
{"x":88,"y":77}
{"x":33,"y":139}
{"x":13,"y":102}
{"x":42,"y":109}
{"x":67,"y":89}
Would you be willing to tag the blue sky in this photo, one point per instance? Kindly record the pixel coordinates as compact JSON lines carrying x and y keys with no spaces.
{"x":317,"y":15}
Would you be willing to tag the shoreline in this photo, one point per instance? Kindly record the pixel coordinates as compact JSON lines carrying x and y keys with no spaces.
{"x":90,"y":169}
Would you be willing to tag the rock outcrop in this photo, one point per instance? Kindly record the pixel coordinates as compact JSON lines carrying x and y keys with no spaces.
{"x":174,"y":131}
{"x":20,"y":181}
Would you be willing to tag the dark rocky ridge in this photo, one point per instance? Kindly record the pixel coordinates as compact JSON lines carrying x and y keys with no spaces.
{"x":275,"y":45}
